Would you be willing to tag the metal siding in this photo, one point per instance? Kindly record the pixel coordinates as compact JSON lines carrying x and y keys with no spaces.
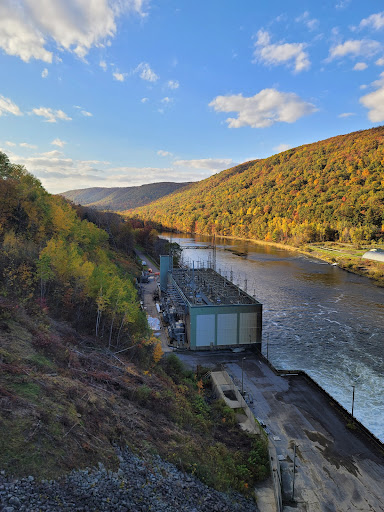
{"x":164,"y":268}
{"x":227,"y":329}
{"x":248,"y":324}
{"x":205,"y":330}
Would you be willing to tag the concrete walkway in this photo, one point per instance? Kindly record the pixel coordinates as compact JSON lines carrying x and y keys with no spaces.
{"x":222,"y":383}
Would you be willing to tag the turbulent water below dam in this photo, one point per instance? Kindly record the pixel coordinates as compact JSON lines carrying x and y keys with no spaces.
{"x":316,"y":317}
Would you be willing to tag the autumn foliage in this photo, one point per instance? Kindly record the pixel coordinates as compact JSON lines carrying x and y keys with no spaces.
{"x":329,"y":190}
{"x":52,"y":260}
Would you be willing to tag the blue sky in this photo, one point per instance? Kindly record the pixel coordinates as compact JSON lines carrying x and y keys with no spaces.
{"x":126,"y":92}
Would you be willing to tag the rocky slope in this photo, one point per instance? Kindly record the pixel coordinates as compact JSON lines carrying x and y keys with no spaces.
{"x":139,"y":485}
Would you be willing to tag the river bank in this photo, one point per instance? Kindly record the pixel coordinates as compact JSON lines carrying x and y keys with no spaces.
{"x":345,"y":256}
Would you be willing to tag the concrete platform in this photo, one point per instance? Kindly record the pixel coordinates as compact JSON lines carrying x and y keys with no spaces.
{"x":337,"y":470}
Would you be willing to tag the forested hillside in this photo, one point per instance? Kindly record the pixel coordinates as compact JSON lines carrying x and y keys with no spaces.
{"x":329,"y":190}
{"x":121,"y":198}
{"x":81,"y":376}
{"x":52,"y":258}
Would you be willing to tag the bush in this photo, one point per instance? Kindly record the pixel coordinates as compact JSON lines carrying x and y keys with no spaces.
{"x":223,"y":413}
{"x":174,"y":368}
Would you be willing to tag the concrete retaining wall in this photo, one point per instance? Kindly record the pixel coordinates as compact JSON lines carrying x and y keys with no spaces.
{"x":222,"y":382}
{"x":267,"y":502}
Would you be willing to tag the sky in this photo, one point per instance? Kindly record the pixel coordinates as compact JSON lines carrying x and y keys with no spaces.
{"x":116,"y":93}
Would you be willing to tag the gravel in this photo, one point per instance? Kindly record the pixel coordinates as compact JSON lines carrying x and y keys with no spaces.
{"x":139,"y":485}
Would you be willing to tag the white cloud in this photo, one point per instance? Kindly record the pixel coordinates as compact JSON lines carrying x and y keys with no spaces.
{"x":161,"y":152}
{"x":282,"y":147}
{"x":27,"y":145}
{"x":44,"y":73}
{"x":132,"y":176}
{"x":83,"y":111}
{"x":374,"y":101}
{"x":43,"y":161}
{"x":311,"y":23}
{"x":292,"y":54}
{"x":10,"y":144}
{"x":264,"y":109}
{"x":375,"y":21}
{"x":103,"y":65}
{"x":146,"y":73}
{"x":144,"y":100}
{"x":346,"y":114}
{"x":380,"y":62}
{"x":55,"y":153}
{"x":120,"y":77}
{"x":166,"y":100}
{"x":8,"y":107}
{"x":173,"y":84}
{"x":19,"y":35}
{"x":27,"y":27}
{"x":58,"y":142}
{"x":342,"y":4}
{"x":51,"y":115}
{"x":58,"y":172}
{"x":212,"y":164}
{"x":354,"y":48}
{"x":360,"y":66}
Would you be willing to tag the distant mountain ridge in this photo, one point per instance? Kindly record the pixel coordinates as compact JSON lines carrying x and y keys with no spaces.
{"x":121,"y":198}
{"x":328,"y":190}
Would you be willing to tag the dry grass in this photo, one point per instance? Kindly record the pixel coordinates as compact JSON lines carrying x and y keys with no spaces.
{"x":64,"y":406}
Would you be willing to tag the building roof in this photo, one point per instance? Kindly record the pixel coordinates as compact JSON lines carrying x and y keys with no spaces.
{"x":374,"y":254}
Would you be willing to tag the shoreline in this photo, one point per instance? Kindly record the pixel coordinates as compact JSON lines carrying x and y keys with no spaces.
{"x":365,"y":268}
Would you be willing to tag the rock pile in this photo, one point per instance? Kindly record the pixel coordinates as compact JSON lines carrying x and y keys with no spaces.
{"x":139,"y":485}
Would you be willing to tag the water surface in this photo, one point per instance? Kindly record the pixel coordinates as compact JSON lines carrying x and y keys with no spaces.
{"x":316,"y":317}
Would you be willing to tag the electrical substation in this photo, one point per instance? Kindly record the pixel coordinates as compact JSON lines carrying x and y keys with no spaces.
{"x":206,"y":311}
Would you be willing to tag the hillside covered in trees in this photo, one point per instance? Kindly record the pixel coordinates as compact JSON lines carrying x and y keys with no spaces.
{"x":51,"y":257}
{"x":121,"y":198}
{"x":328,"y":190}
{"x":81,"y":375}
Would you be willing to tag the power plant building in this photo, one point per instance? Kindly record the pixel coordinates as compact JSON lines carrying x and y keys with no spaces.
{"x":207,"y":311}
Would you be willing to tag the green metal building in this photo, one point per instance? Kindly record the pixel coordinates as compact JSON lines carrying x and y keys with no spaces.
{"x":216,"y":313}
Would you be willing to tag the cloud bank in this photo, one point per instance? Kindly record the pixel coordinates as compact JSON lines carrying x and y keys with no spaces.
{"x":28,"y":27}
{"x":264,"y":109}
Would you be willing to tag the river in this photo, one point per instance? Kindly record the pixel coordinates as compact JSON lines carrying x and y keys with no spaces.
{"x":316,"y":317}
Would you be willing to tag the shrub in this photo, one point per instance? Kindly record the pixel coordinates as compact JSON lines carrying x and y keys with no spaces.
{"x":174,"y":368}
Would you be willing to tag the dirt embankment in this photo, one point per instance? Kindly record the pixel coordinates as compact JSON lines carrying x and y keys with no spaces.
{"x":66,"y":402}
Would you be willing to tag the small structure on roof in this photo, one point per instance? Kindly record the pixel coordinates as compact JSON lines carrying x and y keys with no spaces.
{"x":374,"y":254}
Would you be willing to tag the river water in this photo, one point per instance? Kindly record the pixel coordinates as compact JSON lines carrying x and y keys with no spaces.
{"x":316,"y":317}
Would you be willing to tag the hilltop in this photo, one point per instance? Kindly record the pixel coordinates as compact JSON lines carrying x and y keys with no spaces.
{"x":121,"y":198}
{"x":325,"y":191}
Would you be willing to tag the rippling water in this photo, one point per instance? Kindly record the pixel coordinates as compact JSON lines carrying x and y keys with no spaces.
{"x":316,"y":318}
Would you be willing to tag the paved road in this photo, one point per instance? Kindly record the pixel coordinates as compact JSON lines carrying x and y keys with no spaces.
{"x":149,"y":304}
{"x":337,"y":471}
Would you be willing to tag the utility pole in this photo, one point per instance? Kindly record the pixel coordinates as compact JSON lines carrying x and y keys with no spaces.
{"x":353,"y":398}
